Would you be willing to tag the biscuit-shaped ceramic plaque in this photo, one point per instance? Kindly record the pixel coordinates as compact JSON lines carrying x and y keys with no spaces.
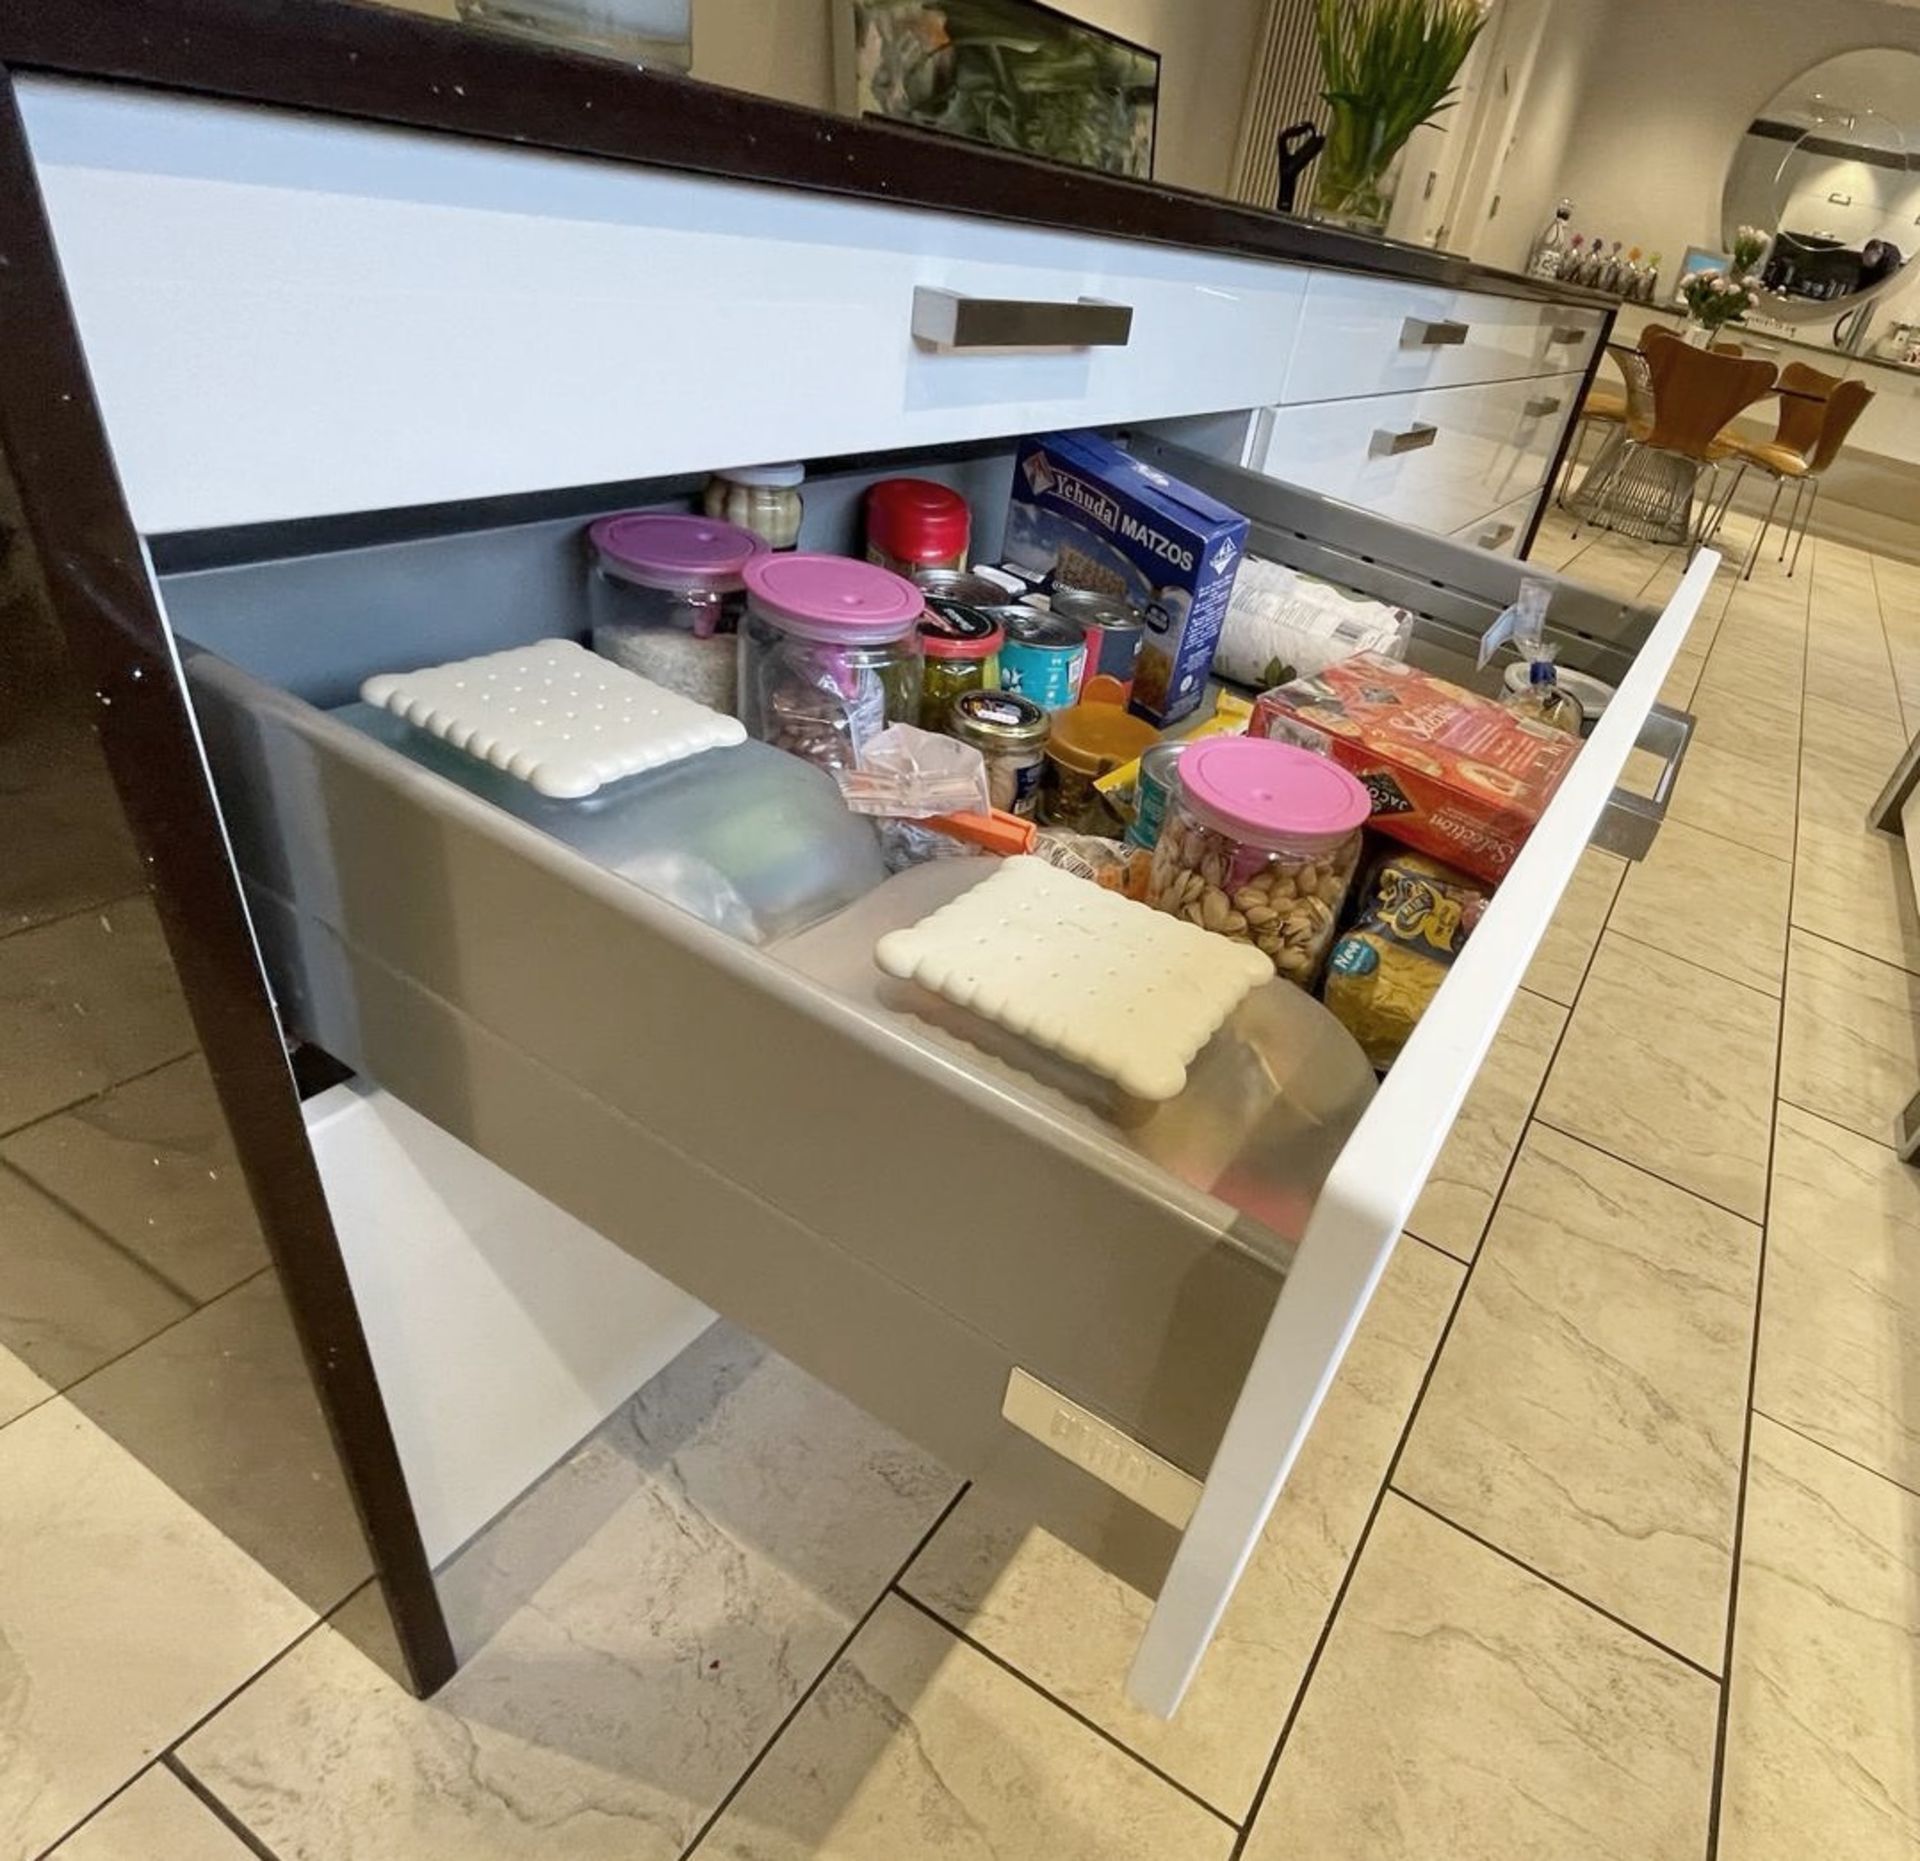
{"x":1117,"y":987}
{"x":561,"y":719}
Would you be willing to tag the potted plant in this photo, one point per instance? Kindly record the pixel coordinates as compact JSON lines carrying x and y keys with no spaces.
{"x":1387,"y":66}
{"x":1714,"y":300}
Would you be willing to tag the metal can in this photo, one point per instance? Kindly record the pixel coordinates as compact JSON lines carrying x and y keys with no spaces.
{"x":1114,"y":631}
{"x":1044,"y":658}
{"x":1010,"y":732}
{"x":1158,"y":770}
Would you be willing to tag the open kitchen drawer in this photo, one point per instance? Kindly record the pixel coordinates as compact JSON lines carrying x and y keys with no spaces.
{"x":1004,"y":1272}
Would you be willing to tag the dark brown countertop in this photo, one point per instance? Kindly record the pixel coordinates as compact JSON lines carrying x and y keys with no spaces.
{"x":347,"y":59}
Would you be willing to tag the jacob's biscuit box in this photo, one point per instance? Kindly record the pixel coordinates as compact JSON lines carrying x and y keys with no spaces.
{"x":1085,"y":514}
{"x":1451,"y":773}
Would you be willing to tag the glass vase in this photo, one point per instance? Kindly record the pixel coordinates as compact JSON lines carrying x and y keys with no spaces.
{"x":1353,"y":182}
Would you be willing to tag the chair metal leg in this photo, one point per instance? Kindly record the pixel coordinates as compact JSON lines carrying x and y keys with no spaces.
{"x":1580,"y":433}
{"x":1793,"y":516}
{"x":1806,"y":524}
{"x":1760,"y":536}
{"x":1726,"y":503}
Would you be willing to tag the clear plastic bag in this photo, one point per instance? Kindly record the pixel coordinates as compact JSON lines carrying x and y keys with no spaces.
{"x":910,"y":773}
{"x":1283,"y":625}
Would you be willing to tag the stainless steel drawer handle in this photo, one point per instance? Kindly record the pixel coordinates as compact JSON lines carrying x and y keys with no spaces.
{"x":947,"y":321}
{"x":1566,"y":337}
{"x":1499,"y":536}
{"x":1389,"y":445}
{"x":1418,"y":333}
{"x":1543,"y":404}
{"x":1631,"y":821}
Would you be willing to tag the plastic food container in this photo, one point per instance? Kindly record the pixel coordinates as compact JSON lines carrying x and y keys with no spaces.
{"x":961,"y":636}
{"x":1044,"y":658}
{"x":829,"y":655}
{"x":666,"y":597}
{"x":1010,"y":732}
{"x":1086,"y":741}
{"x":912,"y":523}
{"x":1260,"y":843}
{"x":762,"y":498}
{"x":1113,"y":629}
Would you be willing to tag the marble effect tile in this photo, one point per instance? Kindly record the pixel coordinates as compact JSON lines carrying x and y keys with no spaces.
{"x":1588,"y":1412}
{"x":1851,"y":1048}
{"x":156,"y":1818}
{"x":1840,"y":1321}
{"x":1073,"y":1630}
{"x":1560,"y":963}
{"x":1854,"y":886}
{"x":20,"y":1389}
{"x":84,"y":1004}
{"x":1670,"y":1067}
{"x":1722,"y":906}
{"x":915,"y":1744}
{"x":1823,"y":1719}
{"x":70,"y":1301}
{"x":1454,"y":1207}
{"x":126,"y":1618}
{"x":1464,"y":1708}
{"x":151,"y":1164}
{"x":639,"y":1625}
{"x":1746,"y":799}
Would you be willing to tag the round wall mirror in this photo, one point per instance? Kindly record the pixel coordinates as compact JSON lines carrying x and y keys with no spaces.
{"x":1830,"y":166}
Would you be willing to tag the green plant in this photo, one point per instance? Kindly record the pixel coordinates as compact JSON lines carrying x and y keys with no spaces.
{"x":1387,"y":66}
{"x":1715,"y":299}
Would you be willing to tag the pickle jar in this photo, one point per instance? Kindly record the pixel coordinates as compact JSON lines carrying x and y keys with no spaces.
{"x":961,"y":636}
{"x":762,"y":498}
{"x":1260,"y":844}
{"x":829,"y":655}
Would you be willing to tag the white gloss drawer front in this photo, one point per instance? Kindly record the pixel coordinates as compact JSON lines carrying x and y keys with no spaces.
{"x":1441,"y":459}
{"x":1500,"y":532}
{"x":288,"y":317}
{"x":1378,"y":335}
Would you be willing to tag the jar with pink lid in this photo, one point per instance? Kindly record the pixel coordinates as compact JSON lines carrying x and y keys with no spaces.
{"x":666,"y":598}
{"x":1260,"y":844}
{"x":829,"y":654}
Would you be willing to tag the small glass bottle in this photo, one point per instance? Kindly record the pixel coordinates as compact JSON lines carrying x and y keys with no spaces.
{"x":1550,"y":248}
{"x":1546,"y":701}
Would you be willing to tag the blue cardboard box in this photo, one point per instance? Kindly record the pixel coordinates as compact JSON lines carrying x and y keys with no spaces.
{"x":1085,"y":514}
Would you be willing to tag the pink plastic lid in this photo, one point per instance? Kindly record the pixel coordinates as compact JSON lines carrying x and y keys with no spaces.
{"x":1270,"y":793}
{"x":833,"y":597}
{"x":660,"y":550}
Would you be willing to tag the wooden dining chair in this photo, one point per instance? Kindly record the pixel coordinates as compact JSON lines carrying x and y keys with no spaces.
{"x":1817,"y":412}
{"x":1651,"y":487}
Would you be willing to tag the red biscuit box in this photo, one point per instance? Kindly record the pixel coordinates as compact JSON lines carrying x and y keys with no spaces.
{"x":1451,"y":773}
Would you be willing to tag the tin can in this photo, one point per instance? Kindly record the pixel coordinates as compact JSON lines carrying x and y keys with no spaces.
{"x":1158,"y":769}
{"x":1114,"y":630}
{"x":1044,"y":658}
{"x":1009,"y":731}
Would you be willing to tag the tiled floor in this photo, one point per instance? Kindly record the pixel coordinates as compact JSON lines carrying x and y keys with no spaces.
{"x":1607,"y":1543}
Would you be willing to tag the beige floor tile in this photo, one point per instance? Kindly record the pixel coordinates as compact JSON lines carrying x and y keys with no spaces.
{"x":1851,"y":1051}
{"x":1454,"y":1206}
{"x":67,"y":848}
{"x":1842,"y":772}
{"x":1716,"y":904}
{"x":84,"y":1004}
{"x":151,"y":1164}
{"x":69,"y":1300}
{"x":1746,"y":799}
{"x":916,"y":1744}
{"x":1560,"y":964}
{"x":1848,"y":675}
{"x":1840,"y":1321}
{"x":126,"y":1617}
{"x":1073,"y":1630}
{"x":1465,"y":1709}
{"x":1761,"y":733}
{"x":156,"y":1818}
{"x":1854,"y":886}
{"x":1670,"y":1067}
{"x":642,"y":1622}
{"x":1588,"y":1411}
{"x":1684,"y":674}
{"x":20,"y":1389}
{"x":1824,"y":1717}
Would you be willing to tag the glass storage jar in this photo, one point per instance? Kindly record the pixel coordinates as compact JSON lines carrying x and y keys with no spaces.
{"x":961,"y":636}
{"x":666,"y":598}
{"x":913,"y":523}
{"x":762,"y":498}
{"x":1010,"y":732}
{"x":1260,"y":843}
{"x":829,"y":655}
{"x":1087,"y":741}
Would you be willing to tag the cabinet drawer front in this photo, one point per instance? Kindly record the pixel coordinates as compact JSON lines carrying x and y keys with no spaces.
{"x":1440,"y":459}
{"x":1500,"y":532}
{"x":287,"y":317}
{"x":1373,"y":335}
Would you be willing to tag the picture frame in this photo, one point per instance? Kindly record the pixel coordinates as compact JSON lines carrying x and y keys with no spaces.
{"x":1014,"y":74}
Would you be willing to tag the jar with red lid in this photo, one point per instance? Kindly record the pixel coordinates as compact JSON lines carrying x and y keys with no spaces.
{"x":666,"y":597}
{"x":912,"y":523}
{"x":1260,"y":844}
{"x":829,"y":655}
